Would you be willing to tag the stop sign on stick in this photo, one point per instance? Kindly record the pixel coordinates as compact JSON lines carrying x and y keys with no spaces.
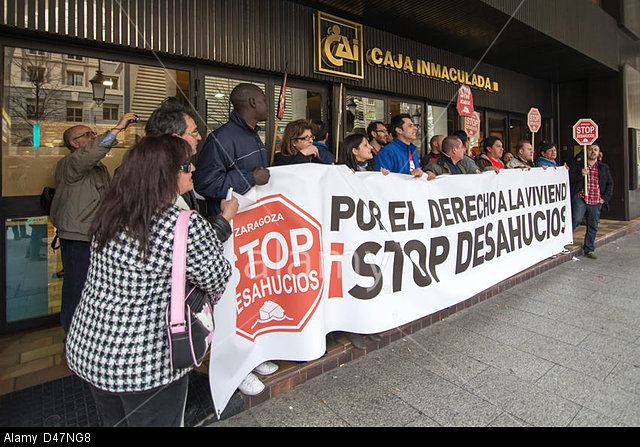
{"x":585,"y":131}
{"x":465,"y":101}
{"x":534,"y":120}
{"x":472,"y":124}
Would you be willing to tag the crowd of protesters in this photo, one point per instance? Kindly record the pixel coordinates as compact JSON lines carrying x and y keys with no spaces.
{"x":116,"y":234}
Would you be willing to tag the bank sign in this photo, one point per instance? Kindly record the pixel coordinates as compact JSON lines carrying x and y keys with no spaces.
{"x":340,"y":52}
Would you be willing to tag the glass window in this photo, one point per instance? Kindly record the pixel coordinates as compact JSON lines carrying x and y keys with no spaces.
{"x":436,"y":119}
{"x":111,"y":82}
{"x":518,"y":130}
{"x":39,"y":105}
{"x":360,"y":111}
{"x":110,"y":112}
{"x":74,"y":111}
{"x":497,"y":126}
{"x":34,"y":269}
{"x":75,"y":78}
{"x":300,"y":103}
{"x":415,"y":111}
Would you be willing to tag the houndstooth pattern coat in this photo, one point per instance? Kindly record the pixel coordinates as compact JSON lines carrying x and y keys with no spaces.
{"x":118,"y":340}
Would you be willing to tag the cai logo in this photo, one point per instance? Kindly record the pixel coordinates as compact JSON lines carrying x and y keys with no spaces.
{"x":278,"y":252}
{"x":339,"y":46}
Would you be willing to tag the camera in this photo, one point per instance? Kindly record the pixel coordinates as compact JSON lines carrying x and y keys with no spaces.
{"x":133,"y":120}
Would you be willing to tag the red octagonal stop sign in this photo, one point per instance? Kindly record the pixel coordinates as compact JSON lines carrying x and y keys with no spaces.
{"x":534,"y":120}
{"x":585,"y":131}
{"x":465,"y":101}
{"x":278,"y":253}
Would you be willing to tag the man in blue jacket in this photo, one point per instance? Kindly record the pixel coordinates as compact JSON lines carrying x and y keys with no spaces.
{"x":401,"y":155}
{"x":234,"y":156}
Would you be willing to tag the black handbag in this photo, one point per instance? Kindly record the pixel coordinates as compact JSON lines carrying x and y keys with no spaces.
{"x":189,"y":314}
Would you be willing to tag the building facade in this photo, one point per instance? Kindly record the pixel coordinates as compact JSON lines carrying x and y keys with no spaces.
{"x":347,"y":63}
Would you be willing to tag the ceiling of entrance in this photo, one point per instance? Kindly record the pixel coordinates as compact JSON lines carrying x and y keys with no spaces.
{"x":469,"y":28}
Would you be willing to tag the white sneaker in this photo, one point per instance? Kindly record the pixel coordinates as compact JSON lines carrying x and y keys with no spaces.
{"x":251,"y":385}
{"x":266,"y":368}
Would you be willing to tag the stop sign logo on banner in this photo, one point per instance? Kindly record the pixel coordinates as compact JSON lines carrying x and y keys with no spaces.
{"x":465,"y":101}
{"x":585,"y":131}
{"x":278,"y":252}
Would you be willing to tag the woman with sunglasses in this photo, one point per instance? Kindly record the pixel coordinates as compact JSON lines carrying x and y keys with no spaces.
{"x":118,"y":341}
{"x":296,"y":145}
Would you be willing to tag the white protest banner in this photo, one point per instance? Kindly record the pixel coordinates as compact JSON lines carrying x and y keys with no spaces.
{"x":321,"y":249}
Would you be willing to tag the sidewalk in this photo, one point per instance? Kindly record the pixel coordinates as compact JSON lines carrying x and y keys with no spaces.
{"x":559,"y":349}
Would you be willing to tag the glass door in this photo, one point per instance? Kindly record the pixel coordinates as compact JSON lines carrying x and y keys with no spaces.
{"x":302,"y":101}
{"x":362,"y":109}
{"x":415,"y":111}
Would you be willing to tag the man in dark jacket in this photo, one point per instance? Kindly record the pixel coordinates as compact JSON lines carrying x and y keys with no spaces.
{"x":234,"y":156}
{"x":590,"y":202}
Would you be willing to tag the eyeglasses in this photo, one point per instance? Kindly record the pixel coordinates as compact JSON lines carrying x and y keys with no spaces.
{"x":307,"y":138}
{"x":186,"y":167}
{"x":195,"y":133}
{"x":89,"y":134}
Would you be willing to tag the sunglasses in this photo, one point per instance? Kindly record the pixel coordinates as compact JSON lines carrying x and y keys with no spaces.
{"x":186,"y":167}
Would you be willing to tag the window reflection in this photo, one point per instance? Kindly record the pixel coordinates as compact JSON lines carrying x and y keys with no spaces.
{"x":415,"y":111}
{"x":45,"y":93}
{"x":34,"y":269}
{"x":301,"y":103}
{"x":217,"y":92}
{"x":360,"y":111}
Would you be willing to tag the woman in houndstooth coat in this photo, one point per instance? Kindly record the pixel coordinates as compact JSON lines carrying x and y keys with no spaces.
{"x":118,"y":341}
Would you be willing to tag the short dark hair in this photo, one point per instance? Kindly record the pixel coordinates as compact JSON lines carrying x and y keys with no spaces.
{"x":397,"y":121}
{"x":372,"y":127}
{"x":168,"y":119}
{"x":449,"y":143}
{"x":320,"y":130}
{"x":489,"y":142}
{"x":241,"y":94}
{"x":545,"y":146}
{"x":462,"y":135}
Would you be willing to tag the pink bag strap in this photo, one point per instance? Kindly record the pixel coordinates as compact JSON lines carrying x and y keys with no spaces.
{"x":178,"y":272}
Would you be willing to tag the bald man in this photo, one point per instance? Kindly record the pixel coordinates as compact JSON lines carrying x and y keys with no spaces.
{"x":81,"y":182}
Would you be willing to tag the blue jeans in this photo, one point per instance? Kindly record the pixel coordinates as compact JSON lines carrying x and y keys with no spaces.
{"x":580,"y":209}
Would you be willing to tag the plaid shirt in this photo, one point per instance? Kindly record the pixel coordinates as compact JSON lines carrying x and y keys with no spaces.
{"x":592,"y":195}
